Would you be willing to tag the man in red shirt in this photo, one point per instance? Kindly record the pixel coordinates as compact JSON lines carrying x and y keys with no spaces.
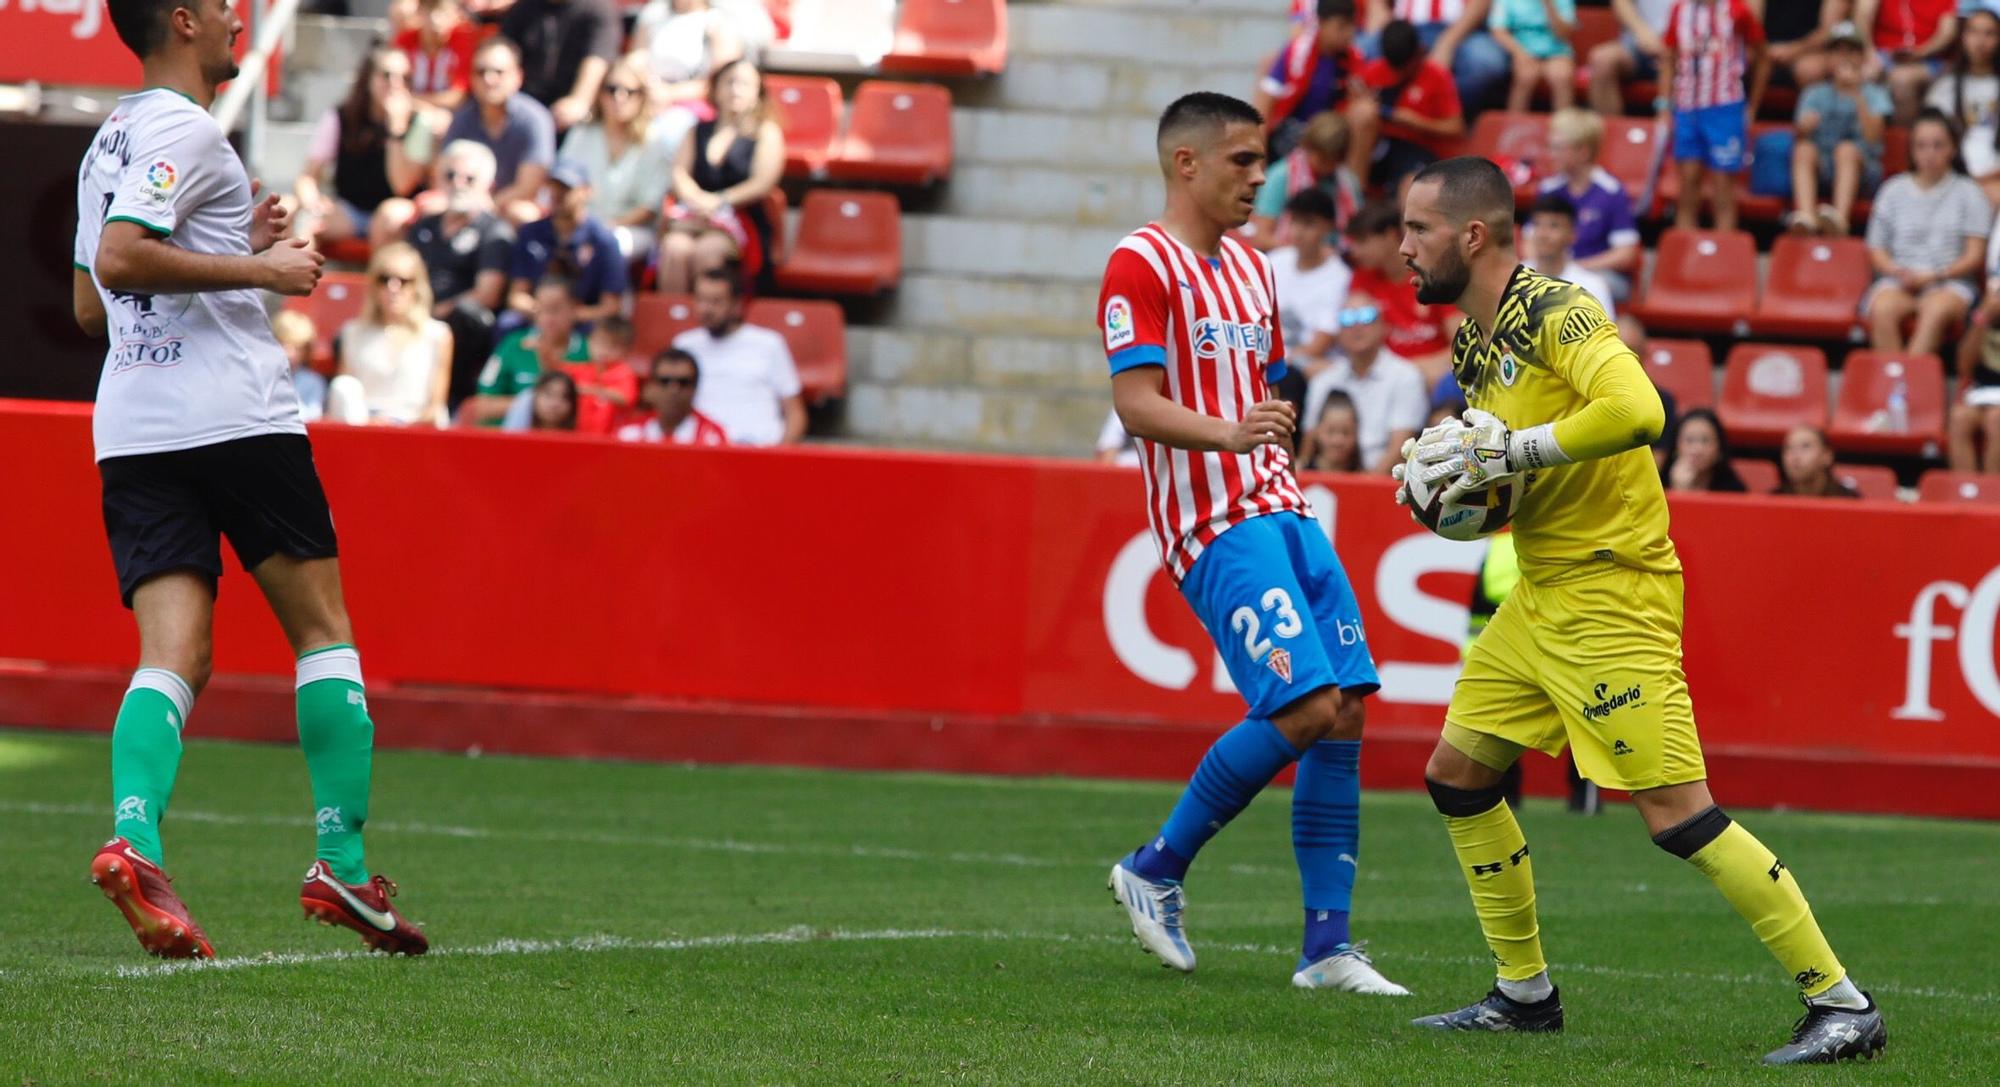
{"x":1418,"y":332}
{"x":670,"y":389}
{"x":1411,"y":116}
{"x":1913,"y":39}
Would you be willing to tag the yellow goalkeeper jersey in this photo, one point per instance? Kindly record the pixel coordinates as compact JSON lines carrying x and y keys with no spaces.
{"x":1554,"y":357}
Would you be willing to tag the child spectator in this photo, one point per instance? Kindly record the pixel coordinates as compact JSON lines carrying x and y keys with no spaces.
{"x":1387,"y":391}
{"x":1318,"y":162}
{"x":1607,"y":235}
{"x":1310,"y":76}
{"x":1551,"y":228}
{"x":1927,"y":241}
{"x":1912,"y":38}
{"x":1700,"y":460}
{"x":1418,"y":332}
{"x":630,"y":154}
{"x":522,"y":356}
{"x":1839,"y":141}
{"x":1334,"y":443}
{"x":1634,"y":56}
{"x":566,"y":47}
{"x":1312,"y":285}
{"x":1411,"y":115}
{"x":296,"y":334}
{"x":608,"y":385}
{"x":576,"y":238}
{"x":395,"y":358}
{"x":551,"y":405}
{"x":371,"y":148}
{"x":1807,"y":464}
{"x":440,"y":49}
{"x":1707,"y":43}
{"x":723,"y":173}
{"x":670,"y":393}
{"x":1968,"y":94}
{"x":516,"y":128}
{"x":1453,"y":32}
{"x":1536,"y":33}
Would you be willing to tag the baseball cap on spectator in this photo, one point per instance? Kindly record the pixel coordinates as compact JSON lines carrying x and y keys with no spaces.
{"x":570,"y":174}
{"x":1845,"y":33}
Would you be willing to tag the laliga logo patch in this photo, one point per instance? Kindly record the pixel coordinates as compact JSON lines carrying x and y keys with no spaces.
{"x":159,"y":181}
{"x":1281,"y":663}
{"x":1118,"y":328}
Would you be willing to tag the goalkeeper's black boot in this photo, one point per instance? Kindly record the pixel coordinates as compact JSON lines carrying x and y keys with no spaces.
{"x":1825,"y":1035}
{"x":1500,"y":1012}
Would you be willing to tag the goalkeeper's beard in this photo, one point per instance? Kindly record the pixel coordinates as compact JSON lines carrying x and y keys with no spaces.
{"x":1444,"y":284}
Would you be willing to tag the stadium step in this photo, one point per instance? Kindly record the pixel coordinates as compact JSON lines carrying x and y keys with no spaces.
{"x":1079,"y":85}
{"x":1106,"y":32}
{"x":1063,"y":253}
{"x":988,"y":306}
{"x":1099,"y":197}
{"x":982,"y":393}
{"x":1054,"y":139}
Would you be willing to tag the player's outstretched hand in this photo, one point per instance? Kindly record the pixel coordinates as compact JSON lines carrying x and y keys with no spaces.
{"x":269,"y":219}
{"x":1268,"y":423}
{"x":291,"y":267}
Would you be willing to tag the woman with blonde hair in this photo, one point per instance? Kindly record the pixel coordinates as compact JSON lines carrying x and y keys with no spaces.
{"x":628,"y":153}
{"x":722,"y":174}
{"x":395,"y":358}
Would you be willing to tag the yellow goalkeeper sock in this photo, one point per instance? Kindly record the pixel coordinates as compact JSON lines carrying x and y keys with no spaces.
{"x":1494,"y":856}
{"x":1762,"y":889}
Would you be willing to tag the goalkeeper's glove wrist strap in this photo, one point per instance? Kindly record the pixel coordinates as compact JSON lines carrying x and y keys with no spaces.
{"x":1535,"y":447}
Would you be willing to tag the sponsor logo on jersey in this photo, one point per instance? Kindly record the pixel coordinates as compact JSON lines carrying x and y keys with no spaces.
{"x":1609,"y":701}
{"x":1118,"y":328}
{"x":1578,"y":324}
{"x":1213,"y":337}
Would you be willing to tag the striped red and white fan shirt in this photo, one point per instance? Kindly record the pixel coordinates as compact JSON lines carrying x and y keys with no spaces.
{"x":1710,"y":42}
{"x":1212,"y":324}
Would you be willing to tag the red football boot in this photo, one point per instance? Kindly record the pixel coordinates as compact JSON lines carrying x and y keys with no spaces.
{"x":363,"y":907}
{"x":145,"y":896}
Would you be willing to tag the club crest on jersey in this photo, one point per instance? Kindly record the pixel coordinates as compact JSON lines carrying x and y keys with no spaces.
{"x":1510,"y":369}
{"x":1281,"y":663}
{"x":1118,"y":328}
{"x":1212,"y":337}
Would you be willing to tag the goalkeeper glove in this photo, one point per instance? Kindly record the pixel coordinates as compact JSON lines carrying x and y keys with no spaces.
{"x":1481,"y":451}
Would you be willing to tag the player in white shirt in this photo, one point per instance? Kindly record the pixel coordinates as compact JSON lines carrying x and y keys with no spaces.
{"x":749,"y":383}
{"x":198,"y":437}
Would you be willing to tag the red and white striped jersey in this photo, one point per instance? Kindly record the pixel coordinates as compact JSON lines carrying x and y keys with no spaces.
{"x":1709,"y":41}
{"x":1428,"y":11}
{"x":1212,"y":324}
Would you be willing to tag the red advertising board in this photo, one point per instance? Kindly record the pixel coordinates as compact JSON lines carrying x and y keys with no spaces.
{"x":71,"y":42}
{"x":1841,"y":654}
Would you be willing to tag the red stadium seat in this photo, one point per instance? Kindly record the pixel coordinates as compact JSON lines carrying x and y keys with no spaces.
{"x":1872,"y":480}
{"x":1684,"y":368}
{"x":1866,"y":381}
{"x":1767,"y":389}
{"x":809,"y":114}
{"x":1813,"y":289}
{"x":336,"y":301}
{"x":657,"y":319}
{"x":949,"y":38}
{"x":1942,"y":485}
{"x":1758,"y":476}
{"x":1703,"y":281}
{"x":817,"y":334}
{"x":348,"y":251}
{"x":1627,"y":154}
{"x":1895,"y":160}
{"x":848,"y":243}
{"x":1594,"y":27}
{"x":897,"y":134}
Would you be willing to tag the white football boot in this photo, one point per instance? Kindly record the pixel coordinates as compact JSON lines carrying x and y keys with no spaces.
{"x":1348,"y":970}
{"x":1155,"y":911}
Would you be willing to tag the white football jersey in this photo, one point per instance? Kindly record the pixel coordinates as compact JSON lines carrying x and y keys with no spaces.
{"x":184,"y":370}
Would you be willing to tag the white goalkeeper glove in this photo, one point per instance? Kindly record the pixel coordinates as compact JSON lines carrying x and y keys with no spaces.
{"x":1481,"y":451}
{"x":1425,"y":474}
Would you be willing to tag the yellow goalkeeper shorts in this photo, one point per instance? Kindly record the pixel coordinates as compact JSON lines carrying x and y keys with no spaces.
{"x":1591,"y":660}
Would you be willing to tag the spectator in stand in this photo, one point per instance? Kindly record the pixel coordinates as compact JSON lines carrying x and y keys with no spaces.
{"x":1334,"y":442}
{"x":1634,"y":57}
{"x":1310,"y":76}
{"x":1975,"y":418}
{"x":1318,"y":162}
{"x":1551,"y":230}
{"x":1418,"y":332}
{"x":1700,"y":460}
{"x":1312,"y":285}
{"x":566,"y":47}
{"x":466,"y":249}
{"x":1927,"y":240}
{"x":1708,"y":43}
{"x":1807,"y":464}
{"x":552,"y":404}
{"x":1454,"y":33}
{"x":608,"y":384}
{"x":1388,"y":393}
{"x":367,"y":150}
{"x":631,"y":156}
{"x":1912,"y":39}
{"x":723,"y":173}
{"x":586,"y":247}
{"x":671,"y":388}
{"x":516,"y":128}
{"x":752,"y":386}
{"x":1839,"y":142}
{"x":1969,"y":95}
{"x":395,"y":358}
{"x":295,"y":333}
{"x":1410,"y":116}
{"x":523,"y":355}
{"x":1535,"y":34}
{"x":1115,"y":445}
{"x":1798,"y":32}
{"x":1607,"y":235}
{"x":682,"y":43}
{"x":439,"y":46}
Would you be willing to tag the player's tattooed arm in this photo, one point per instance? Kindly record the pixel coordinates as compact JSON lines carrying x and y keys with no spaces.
{"x":1145,"y":410}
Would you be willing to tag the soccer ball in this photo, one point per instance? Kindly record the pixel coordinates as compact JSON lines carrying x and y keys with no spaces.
{"x":1474,"y":515}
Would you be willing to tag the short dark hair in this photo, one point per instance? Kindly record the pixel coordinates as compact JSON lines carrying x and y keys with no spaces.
{"x":142,"y":24}
{"x":557,"y":277}
{"x":1400,"y":43}
{"x":1553,"y":203}
{"x":729,"y":272}
{"x":498,"y":41}
{"x":1335,"y":9}
{"x":1203,"y":109}
{"x":1379,"y":217}
{"x":675,"y":354}
{"x":617,"y":326}
{"x":1471,"y":187}
{"x":1311,"y":201}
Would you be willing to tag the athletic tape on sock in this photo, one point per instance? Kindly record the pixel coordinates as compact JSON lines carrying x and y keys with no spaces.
{"x":1687,"y":838}
{"x":172,"y":686}
{"x":333,"y":662}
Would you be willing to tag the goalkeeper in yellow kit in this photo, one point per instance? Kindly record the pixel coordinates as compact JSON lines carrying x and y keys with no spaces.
{"x":1587,"y":650}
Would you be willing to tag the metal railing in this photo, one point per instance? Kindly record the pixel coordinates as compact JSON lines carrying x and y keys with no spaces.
{"x":249,"y":89}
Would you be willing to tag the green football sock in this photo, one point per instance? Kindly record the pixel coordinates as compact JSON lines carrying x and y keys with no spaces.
{"x":339,"y":743}
{"x":146,"y":754}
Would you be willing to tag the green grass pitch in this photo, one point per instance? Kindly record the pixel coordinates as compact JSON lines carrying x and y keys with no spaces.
{"x":618,"y":923}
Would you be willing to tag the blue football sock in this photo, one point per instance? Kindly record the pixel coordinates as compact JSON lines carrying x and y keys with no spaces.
{"x":1326,"y":839}
{"x":1233,"y":772}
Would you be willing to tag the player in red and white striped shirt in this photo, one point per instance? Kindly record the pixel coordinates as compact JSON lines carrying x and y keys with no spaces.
{"x":1709,"y":44}
{"x":1190,"y":322}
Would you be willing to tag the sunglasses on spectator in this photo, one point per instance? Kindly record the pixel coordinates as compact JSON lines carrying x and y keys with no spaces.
{"x":1359,"y":315}
{"x":388,"y":279}
{"x":454,"y":177}
{"x":620,"y":90}
{"x":670,"y":382}
{"x":492,"y":69}
{"x":388,"y":73}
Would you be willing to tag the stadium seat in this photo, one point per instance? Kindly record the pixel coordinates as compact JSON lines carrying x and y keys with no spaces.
{"x":1521,"y":139}
{"x":1872,"y":480}
{"x":1813,"y":289}
{"x":1944,"y":485}
{"x":355,"y":251}
{"x":1685,"y":368}
{"x":657,"y":319}
{"x":336,"y":301}
{"x":1703,"y":281}
{"x":1767,"y":389}
{"x":848,"y":243}
{"x":949,"y":38}
{"x":1627,"y":155}
{"x":809,"y":114}
{"x":816,"y":331}
{"x":1758,"y":476}
{"x":897,"y":134}
{"x":1594,"y":27}
{"x":1865,"y":383}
